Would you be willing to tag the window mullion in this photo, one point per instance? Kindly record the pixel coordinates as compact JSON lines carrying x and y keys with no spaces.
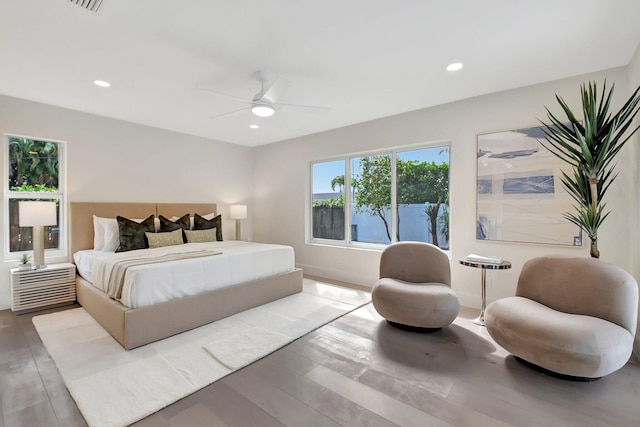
{"x":347,"y":200}
{"x":394,"y":210}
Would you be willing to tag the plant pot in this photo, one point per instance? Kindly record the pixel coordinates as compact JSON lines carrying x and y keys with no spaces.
{"x":25,"y":266}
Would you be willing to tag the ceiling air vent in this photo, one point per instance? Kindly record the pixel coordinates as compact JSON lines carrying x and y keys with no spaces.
{"x":91,"y":5}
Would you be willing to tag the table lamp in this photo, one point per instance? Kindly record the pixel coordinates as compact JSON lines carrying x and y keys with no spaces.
{"x":238,"y":212}
{"x":37,"y":215}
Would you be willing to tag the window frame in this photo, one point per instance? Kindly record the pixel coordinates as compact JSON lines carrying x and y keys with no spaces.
{"x":60,"y":196}
{"x":347,"y":158}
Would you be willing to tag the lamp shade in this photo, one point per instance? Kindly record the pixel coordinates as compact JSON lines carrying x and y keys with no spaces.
{"x":37,"y":214}
{"x":238,"y":212}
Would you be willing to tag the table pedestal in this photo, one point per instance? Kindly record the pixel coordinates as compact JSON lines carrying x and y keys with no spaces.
{"x":504,"y":265}
{"x":483,"y":304}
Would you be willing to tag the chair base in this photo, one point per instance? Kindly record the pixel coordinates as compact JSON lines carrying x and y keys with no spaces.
{"x":410,"y":328}
{"x":554,"y":374}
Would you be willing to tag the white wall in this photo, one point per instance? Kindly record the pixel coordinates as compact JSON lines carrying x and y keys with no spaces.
{"x":633,"y":178}
{"x":280,"y":191}
{"x":113,"y":160}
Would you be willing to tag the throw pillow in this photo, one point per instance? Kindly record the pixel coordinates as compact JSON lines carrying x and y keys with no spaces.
{"x":169,"y":238}
{"x":182,"y":223}
{"x":132,"y":235}
{"x":201,"y":236}
{"x":200,"y":223}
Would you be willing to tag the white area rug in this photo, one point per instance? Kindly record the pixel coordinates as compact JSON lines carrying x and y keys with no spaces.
{"x":116,"y":387}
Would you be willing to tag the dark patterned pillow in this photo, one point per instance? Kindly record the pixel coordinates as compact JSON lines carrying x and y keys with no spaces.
{"x":200,"y":223}
{"x":132,"y":233}
{"x":183,"y":222}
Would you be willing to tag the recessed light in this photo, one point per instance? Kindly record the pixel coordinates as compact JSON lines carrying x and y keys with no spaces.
{"x":455,"y":66}
{"x":254,"y":126}
{"x":102,"y":83}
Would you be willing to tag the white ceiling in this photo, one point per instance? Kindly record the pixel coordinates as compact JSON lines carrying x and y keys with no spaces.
{"x":365,"y":59}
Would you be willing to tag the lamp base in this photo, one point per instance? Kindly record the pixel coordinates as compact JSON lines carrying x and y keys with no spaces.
{"x":38,"y":246}
{"x":238,"y":230}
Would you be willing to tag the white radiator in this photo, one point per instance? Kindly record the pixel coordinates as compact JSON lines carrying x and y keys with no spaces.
{"x":52,"y":285}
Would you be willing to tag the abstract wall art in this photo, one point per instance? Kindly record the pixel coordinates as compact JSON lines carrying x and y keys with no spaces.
{"x":520,"y":197}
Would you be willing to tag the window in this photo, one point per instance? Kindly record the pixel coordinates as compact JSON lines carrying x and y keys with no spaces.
{"x":393,"y":196}
{"x":328,"y":200}
{"x":34,"y":173}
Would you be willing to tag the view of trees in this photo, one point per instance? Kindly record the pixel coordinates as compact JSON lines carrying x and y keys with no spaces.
{"x":33,"y":165}
{"x":372,"y":188}
{"x":417,"y":183}
{"x":33,"y":168}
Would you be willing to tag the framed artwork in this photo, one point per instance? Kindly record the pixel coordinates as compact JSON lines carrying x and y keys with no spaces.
{"x":520,"y":197}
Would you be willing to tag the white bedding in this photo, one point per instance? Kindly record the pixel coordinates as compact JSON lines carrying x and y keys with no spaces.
{"x":238,"y":262}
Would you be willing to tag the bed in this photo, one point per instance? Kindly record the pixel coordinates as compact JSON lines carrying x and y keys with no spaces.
{"x":134,"y":327}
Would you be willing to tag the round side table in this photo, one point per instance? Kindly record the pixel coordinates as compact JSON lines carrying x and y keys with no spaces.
{"x":504,"y":265}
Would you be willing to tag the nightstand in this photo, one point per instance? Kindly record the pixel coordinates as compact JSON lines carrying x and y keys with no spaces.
{"x":33,"y":290}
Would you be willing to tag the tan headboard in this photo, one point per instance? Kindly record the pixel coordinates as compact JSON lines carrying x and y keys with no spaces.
{"x":81,"y":216}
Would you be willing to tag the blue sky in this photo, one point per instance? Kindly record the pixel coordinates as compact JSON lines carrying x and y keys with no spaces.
{"x":324,"y":172}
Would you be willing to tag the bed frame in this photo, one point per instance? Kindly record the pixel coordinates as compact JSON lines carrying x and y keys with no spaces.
{"x":135,"y":327}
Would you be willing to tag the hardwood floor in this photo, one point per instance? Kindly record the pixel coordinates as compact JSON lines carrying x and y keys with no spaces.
{"x":355,"y":371}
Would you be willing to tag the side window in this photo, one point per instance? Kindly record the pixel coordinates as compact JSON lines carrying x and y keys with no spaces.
{"x":33,"y":174}
{"x":328,"y":200}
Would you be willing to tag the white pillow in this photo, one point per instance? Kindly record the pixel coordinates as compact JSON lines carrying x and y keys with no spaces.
{"x":106,"y":236}
{"x":103,"y":233}
{"x":111,"y":234}
{"x":98,"y":234}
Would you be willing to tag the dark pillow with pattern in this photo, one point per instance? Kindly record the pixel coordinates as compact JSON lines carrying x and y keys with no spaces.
{"x":200,"y":223}
{"x":183,"y":222}
{"x":132,"y":233}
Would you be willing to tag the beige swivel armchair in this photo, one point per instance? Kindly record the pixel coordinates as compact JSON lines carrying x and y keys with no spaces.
{"x":571,"y":316}
{"x":414,"y":290}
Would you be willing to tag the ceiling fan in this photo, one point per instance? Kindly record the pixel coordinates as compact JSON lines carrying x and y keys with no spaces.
{"x":264,"y":103}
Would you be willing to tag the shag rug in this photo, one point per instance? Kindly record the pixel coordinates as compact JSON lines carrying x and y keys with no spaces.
{"x":116,"y":387}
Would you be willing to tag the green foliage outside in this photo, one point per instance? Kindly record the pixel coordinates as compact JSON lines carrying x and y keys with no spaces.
{"x":373,"y":188}
{"x":417,"y":183}
{"x":33,"y":168}
{"x":33,"y":165}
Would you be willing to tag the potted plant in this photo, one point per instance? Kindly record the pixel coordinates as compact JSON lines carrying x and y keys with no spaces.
{"x":24,"y":261}
{"x":589,"y":145}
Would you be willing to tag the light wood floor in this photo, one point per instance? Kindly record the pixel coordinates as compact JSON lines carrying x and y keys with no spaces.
{"x":356,"y":371}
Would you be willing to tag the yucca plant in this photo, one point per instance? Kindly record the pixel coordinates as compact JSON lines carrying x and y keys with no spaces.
{"x":590,"y":146}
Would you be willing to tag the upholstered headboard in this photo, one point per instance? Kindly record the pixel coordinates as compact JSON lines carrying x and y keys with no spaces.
{"x":81,"y":216}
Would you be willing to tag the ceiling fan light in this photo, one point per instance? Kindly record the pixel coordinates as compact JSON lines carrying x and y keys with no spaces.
{"x":263,"y":110}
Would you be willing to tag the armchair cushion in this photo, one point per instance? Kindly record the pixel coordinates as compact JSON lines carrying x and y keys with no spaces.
{"x":572,"y":316}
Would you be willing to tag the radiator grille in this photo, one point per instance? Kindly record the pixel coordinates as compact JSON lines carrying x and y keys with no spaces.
{"x":91,"y":5}
{"x":40,"y":288}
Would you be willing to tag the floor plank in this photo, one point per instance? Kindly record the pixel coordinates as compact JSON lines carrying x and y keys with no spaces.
{"x":373,"y":400}
{"x":355,"y":371}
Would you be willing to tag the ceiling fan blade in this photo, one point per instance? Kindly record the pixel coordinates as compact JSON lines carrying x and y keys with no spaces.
{"x":303,"y":108}
{"x":235,"y":98}
{"x":275,"y":90}
{"x":230,"y":112}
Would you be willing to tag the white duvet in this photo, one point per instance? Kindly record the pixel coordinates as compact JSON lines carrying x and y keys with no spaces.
{"x":145,"y":285}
